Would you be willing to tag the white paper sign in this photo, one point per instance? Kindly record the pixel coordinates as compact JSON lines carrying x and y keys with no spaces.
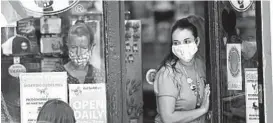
{"x":88,"y":102}
{"x":252,"y":102}
{"x":37,"y":88}
{"x":234,"y":70}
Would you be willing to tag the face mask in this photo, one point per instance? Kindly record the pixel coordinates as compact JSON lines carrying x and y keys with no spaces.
{"x":80,"y":60}
{"x":249,"y":48}
{"x":185,"y":51}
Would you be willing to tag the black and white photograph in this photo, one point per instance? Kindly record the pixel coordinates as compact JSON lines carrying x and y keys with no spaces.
{"x":114,"y":61}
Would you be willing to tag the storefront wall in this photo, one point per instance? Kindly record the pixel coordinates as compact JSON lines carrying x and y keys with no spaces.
{"x":116,"y":67}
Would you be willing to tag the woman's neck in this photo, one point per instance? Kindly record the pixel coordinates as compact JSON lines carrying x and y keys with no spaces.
{"x":187,"y":64}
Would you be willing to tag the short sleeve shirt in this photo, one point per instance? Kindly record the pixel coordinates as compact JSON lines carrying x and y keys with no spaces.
{"x":171,"y":83}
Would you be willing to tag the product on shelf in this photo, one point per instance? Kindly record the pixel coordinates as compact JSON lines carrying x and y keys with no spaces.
{"x":51,"y":44}
{"x":50,"y":25}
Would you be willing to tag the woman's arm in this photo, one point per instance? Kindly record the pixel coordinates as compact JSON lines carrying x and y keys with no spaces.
{"x":168,"y":115}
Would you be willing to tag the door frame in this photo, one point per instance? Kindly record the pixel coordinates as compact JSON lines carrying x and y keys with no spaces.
{"x":113,"y":17}
{"x":213,"y":37}
{"x":266,"y":55}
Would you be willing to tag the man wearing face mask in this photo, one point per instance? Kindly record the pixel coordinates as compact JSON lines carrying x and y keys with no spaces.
{"x":80,"y":43}
{"x":182,"y":95}
{"x":249,"y":47}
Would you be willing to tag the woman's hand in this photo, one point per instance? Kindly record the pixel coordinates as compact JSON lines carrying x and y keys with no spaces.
{"x":205,"y":103}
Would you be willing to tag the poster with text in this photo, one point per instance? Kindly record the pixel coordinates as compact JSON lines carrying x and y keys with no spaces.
{"x":88,"y":102}
{"x":37,"y":88}
{"x":234,"y":70}
{"x":252,"y":102}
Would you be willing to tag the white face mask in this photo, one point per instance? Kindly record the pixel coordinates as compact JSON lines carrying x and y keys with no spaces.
{"x":185,"y":52}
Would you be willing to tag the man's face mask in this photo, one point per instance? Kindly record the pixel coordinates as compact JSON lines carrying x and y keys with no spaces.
{"x":185,"y":51}
{"x":249,"y":46}
{"x":79,"y":60}
{"x":249,"y":49}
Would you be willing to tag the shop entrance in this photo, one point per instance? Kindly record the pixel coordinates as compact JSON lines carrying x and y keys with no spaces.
{"x":231,"y":48}
{"x":134,"y":38}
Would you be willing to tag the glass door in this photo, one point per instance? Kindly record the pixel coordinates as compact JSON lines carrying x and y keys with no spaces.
{"x":239,"y":62}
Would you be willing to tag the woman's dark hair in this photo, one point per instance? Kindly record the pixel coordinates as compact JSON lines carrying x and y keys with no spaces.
{"x":56,"y":111}
{"x":171,"y":59}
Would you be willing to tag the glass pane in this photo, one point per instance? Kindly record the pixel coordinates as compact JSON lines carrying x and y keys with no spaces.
{"x":37,"y":31}
{"x":239,"y":64}
{"x":157,"y":18}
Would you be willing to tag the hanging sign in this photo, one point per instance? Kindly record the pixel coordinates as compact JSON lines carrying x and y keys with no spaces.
{"x":88,"y":102}
{"x":234,"y":72}
{"x":251,"y":89}
{"x":36,"y":89}
{"x":241,"y":5}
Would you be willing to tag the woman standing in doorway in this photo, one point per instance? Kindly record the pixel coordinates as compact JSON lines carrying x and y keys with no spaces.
{"x":180,"y":89}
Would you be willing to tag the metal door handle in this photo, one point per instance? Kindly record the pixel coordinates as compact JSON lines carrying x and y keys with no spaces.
{"x":208,"y":117}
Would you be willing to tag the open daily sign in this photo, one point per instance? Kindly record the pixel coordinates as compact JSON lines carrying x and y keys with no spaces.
{"x":88,"y":102}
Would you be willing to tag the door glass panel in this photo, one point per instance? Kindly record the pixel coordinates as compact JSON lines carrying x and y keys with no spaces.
{"x":157,"y":18}
{"x":239,"y":78}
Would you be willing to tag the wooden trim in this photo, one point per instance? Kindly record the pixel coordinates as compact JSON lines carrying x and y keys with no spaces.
{"x":213,"y":62}
{"x":114,"y":66}
{"x":125,"y":117}
{"x":260,"y":56}
{"x":266,"y":67}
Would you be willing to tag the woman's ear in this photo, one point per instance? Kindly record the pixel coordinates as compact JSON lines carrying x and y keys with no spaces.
{"x":197,"y":41}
